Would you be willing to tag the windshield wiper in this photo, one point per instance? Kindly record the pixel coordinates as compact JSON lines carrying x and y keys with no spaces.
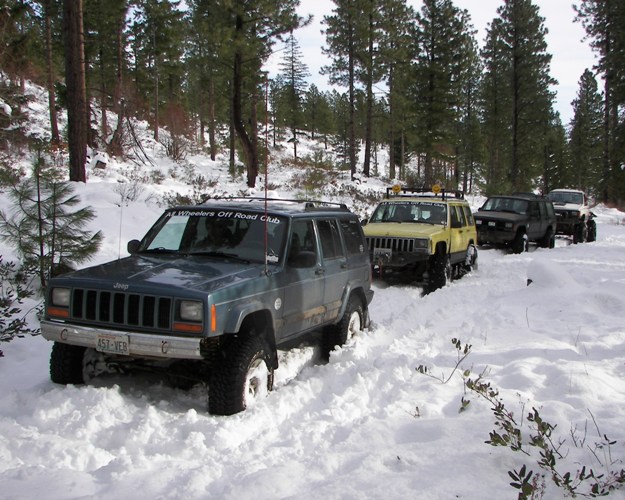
{"x":223,"y":255}
{"x":159,"y":250}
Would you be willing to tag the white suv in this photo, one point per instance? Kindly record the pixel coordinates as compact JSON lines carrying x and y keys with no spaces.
{"x":574,"y":216}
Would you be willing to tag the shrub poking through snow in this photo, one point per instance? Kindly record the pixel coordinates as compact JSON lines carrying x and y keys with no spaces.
{"x":13,"y":291}
{"x":508,"y":432}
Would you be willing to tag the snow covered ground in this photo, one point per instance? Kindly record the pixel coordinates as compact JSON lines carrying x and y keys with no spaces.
{"x":365,"y":425}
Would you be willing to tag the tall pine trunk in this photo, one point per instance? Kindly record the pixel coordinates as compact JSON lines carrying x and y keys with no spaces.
{"x":249,"y":150}
{"x":77,"y":124}
{"x":54,"y":125}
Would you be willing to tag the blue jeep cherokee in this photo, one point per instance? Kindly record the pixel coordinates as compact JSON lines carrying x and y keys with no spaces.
{"x":211,"y":292}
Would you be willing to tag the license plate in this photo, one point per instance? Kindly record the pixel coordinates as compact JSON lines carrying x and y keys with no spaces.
{"x":382,"y":255}
{"x":112,"y":344}
{"x":492,"y":224}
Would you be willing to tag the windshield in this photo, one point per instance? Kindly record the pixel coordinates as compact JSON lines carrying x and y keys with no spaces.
{"x":411,"y":211}
{"x":566,"y":197}
{"x":512,"y":205}
{"x":220,"y":233}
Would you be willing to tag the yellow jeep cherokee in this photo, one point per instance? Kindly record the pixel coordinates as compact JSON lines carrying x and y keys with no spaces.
{"x":424,"y":236}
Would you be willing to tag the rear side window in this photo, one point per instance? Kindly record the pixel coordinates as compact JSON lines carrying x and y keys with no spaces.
{"x":330,"y":239}
{"x":534,"y":211}
{"x":468,"y":215}
{"x":456,"y":216}
{"x":352,"y":232}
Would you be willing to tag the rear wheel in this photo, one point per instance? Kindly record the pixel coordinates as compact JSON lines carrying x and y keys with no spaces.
{"x":470,"y":261}
{"x":352,"y":322}
{"x":549,"y":240}
{"x":241,"y":377}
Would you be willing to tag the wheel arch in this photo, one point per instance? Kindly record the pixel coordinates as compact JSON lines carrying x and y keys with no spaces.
{"x":260,"y":321}
{"x":441,"y":248}
{"x":359,"y":293}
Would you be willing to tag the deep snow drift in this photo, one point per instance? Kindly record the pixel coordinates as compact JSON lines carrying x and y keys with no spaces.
{"x":366,"y":425}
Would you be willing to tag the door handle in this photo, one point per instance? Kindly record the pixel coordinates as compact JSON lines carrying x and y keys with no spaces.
{"x":319,"y":271}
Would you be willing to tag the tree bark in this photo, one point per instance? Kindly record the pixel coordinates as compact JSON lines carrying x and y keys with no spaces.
{"x":77,"y":125}
{"x":251,"y":156}
{"x":54,"y":125}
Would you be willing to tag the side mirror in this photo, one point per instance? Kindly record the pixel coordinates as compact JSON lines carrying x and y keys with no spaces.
{"x":133,"y":246}
{"x":364,"y":222}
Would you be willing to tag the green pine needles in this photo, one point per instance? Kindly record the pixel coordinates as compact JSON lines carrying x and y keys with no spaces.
{"x":537,"y":435}
{"x":45,"y":226}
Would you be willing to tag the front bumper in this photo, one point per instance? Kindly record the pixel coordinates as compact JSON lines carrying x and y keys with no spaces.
{"x":139,"y":344}
{"x":566,"y":225}
{"x":494,"y":236}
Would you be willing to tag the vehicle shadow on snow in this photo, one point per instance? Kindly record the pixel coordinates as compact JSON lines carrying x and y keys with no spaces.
{"x":179,"y":395}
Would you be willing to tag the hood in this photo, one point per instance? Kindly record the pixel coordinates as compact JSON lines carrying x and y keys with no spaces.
{"x":141,"y":273}
{"x":402,"y":229}
{"x":500,"y":216}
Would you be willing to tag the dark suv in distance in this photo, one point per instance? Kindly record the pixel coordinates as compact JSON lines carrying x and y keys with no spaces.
{"x":210,"y":293}
{"x":515,"y":220}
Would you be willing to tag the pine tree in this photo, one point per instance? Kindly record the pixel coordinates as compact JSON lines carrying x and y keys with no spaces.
{"x":49,"y":15}
{"x":444,"y":44}
{"x":77,"y":110}
{"x":586,"y":136}
{"x":207,"y":51}
{"x":157,"y":36}
{"x":396,"y":53}
{"x":470,"y":150}
{"x":603,"y":21}
{"x":520,"y":108}
{"x":252,"y":27}
{"x":343,"y":47}
{"x":556,"y":169}
{"x":102,"y":20}
{"x":45,"y":232}
{"x":294,"y":73}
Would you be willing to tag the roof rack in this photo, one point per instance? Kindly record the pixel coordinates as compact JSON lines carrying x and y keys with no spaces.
{"x":528,"y":194}
{"x":397,"y":191}
{"x":308,"y":204}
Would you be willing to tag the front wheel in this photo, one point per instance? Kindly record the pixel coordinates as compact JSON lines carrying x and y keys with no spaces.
{"x":74,"y":364}
{"x":519,"y":244}
{"x":591,"y":234}
{"x":67,"y":364}
{"x":241,"y":377}
{"x":440,"y":272}
{"x":580,"y":233}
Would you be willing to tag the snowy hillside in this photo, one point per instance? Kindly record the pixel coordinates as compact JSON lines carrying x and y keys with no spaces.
{"x":365,"y":425}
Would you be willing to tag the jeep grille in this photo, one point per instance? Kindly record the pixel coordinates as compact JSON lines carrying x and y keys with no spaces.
{"x":121,"y":309}
{"x":395,"y":244}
